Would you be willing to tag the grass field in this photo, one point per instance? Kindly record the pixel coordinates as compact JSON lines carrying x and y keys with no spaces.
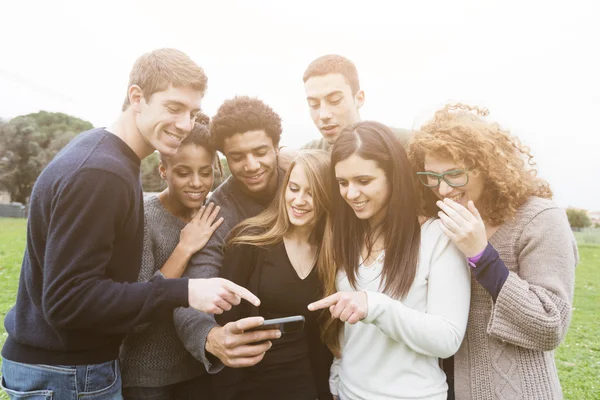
{"x":578,"y":358}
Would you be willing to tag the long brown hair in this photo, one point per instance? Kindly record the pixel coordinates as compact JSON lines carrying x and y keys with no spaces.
{"x":270,"y":226}
{"x":347,"y":234}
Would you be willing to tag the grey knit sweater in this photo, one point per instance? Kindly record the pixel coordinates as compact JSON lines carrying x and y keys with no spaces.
{"x":508,"y":350}
{"x":153,"y":355}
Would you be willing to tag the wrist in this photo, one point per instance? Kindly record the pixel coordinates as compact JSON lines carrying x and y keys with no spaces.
{"x":209,"y":346}
{"x":472,"y":260}
{"x":476,"y":255}
{"x":184,"y":251}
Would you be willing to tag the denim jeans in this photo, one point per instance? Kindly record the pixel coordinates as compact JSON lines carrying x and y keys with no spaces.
{"x":61,"y":382}
{"x":193,"y":389}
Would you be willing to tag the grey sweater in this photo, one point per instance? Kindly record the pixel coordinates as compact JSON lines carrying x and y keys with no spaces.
{"x":153,"y":355}
{"x":192,"y":325}
{"x":508,"y":350}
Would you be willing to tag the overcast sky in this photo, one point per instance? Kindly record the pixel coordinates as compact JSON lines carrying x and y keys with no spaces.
{"x":534,"y":64}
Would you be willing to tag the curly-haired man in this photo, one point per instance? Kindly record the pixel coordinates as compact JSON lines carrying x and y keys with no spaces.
{"x":247,"y":132}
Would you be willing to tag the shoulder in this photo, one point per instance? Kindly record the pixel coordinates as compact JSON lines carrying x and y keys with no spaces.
{"x":431,"y":233}
{"x":98,"y":155}
{"x":91,"y":181}
{"x":435,"y":243}
{"x":538,"y":209}
{"x":154,"y":212}
{"x":151,"y":202}
{"x":539,"y":224}
{"x":220,"y":195}
{"x":319,"y":144}
{"x":242,"y":251}
{"x":404,"y":135}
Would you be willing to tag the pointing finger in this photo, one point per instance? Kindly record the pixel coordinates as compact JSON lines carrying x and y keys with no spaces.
{"x":324,"y":303}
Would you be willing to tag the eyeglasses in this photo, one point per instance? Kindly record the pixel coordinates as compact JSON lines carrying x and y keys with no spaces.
{"x":454,"y":178}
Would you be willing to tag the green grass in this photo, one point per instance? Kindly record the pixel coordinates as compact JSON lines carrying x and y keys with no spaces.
{"x":12,"y":245}
{"x":577,"y":359}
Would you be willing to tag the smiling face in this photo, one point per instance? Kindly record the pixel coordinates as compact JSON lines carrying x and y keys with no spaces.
{"x":332,"y":105}
{"x":252,"y":160}
{"x":299,"y":199}
{"x":189,"y":176}
{"x":167,"y":117}
{"x":462,"y":194}
{"x":364,"y":186}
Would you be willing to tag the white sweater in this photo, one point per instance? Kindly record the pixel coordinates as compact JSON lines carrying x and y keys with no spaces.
{"x":393,"y":353}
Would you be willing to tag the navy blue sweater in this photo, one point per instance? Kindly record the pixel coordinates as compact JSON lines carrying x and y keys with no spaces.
{"x":78,"y":294}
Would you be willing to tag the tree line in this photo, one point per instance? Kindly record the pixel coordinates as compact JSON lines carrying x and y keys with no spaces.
{"x":29,"y":142}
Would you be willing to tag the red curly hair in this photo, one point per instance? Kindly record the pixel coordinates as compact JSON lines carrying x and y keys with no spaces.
{"x":460,"y":133}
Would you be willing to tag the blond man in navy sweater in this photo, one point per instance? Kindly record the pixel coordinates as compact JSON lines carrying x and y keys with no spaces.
{"x":78,"y":296}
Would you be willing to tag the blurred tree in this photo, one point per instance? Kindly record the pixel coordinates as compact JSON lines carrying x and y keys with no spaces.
{"x":151,"y":181}
{"x":578,"y":218}
{"x":28,"y":143}
{"x":226,"y":173}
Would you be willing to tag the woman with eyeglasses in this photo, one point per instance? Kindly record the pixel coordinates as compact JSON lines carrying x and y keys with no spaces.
{"x":480,"y":182}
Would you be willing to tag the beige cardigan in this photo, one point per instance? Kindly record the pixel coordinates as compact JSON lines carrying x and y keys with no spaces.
{"x":508,"y":350}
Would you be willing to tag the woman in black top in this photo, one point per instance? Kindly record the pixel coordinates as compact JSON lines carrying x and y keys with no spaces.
{"x":275,"y":255}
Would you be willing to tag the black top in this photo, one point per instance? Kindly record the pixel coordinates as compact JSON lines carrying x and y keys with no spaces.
{"x":297,"y":366}
{"x":236,"y":205}
{"x":84,"y":242}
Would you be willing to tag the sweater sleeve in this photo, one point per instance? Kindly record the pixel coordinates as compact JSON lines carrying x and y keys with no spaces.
{"x":439,"y":331}
{"x":76,"y":292}
{"x":334,"y":376}
{"x":490,"y":271}
{"x":534,"y":308}
{"x":193,"y":326}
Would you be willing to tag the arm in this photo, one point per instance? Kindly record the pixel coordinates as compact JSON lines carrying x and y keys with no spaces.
{"x":489,"y":271}
{"x":334,"y":376}
{"x":439,"y":331}
{"x":193,"y":238}
{"x":77,"y":294}
{"x":193,"y":326}
{"x":202,"y":336}
{"x":533,"y":309}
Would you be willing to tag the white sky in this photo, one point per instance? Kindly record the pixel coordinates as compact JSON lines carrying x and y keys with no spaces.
{"x":534,"y":64}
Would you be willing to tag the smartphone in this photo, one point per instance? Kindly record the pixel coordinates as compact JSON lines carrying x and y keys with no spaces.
{"x":285,"y":325}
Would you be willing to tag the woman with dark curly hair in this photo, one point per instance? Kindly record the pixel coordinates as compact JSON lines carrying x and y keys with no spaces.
{"x":480,"y":182}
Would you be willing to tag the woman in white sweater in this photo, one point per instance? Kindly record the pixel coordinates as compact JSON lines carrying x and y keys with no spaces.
{"x":398,"y":291}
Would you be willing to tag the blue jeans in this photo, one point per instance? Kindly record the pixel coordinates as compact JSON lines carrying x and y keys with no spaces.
{"x":60,"y":382}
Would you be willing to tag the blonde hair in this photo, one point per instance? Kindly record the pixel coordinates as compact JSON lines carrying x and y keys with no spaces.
{"x":270,"y":226}
{"x":460,"y":133}
{"x":155,"y":71}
